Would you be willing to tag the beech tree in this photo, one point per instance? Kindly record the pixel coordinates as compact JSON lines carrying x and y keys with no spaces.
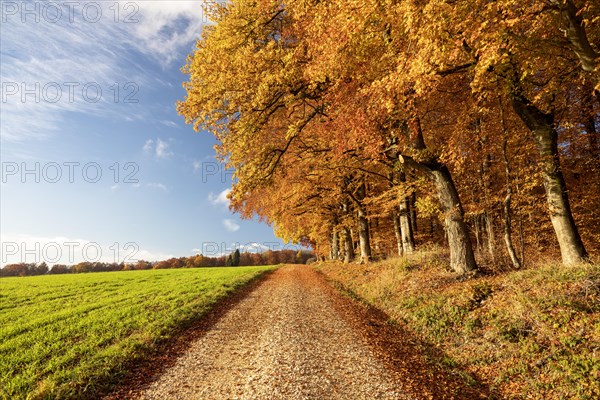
{"x":341,"y":119}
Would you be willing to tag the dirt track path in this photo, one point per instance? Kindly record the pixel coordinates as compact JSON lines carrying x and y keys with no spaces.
{"x":285,"y":340}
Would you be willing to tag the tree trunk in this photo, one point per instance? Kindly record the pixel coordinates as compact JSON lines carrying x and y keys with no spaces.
{"x":507,"y":200}
{"x":404,"y":216}
{"x":483,"y":221}
{"x":507,"y":218}
{"x":546,"y":137}
{"x":408,"y":244}
{"x":363,"y":227}
{"x":462,"y":259}
{"x":521,"y":231}
{"x":363,"y":237}
{"x":335,"y":250}
{"x":491,"y":240}
{"x":397,"y":232}
{"x":476,"y":231}
{"x":396,"y":212}
{"x":348,"y":247}
{"x":347,"y":236}
{"x":522,"y":240}
{"x":413,"y":215}
{"x":576,"y":35}
{"x":507,"y":233}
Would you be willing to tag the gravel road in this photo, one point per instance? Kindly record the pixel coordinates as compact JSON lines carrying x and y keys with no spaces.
{"x":285,"y":340}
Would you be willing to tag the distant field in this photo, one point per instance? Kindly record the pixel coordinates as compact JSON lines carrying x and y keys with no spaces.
{"x":63,"y":335}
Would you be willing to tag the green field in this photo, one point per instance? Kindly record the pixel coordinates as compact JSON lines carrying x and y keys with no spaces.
{"x":67,"y":336}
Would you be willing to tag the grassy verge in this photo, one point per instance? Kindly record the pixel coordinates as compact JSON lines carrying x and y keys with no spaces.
{"x":70,"y":336}
{"x":533,"y":333}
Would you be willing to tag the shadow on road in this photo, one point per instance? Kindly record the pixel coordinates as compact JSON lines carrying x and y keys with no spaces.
{"x":417,"y":363}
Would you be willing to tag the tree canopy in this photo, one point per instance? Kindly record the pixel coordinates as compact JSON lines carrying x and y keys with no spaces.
{"x":378,"y":125}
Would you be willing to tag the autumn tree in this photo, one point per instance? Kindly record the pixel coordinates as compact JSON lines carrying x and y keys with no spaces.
{"x":337,"y":116}
{"x":533,"y":69}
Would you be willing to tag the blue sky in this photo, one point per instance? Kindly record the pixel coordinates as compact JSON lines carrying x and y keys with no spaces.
{"x":96,"y":163}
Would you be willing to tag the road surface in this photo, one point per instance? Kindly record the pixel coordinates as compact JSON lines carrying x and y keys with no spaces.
{"x":285,"y":340}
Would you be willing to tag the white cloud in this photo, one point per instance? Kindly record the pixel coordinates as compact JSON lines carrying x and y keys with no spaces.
{"x":230,"y":225}
{"x":110,"y":51}
{"x":170,"y":124}
{"x":158,"y":148}
{"x":151,"y":185}
{"x":167,"y":25}
{"x":147,"y":255}
{"x":162,"y":149}
{"x":156,"y":185}
{"x":65,"y":250}
{"x":149,"y":146}
{"x":254,"y":247}
{"x":221,"y":198}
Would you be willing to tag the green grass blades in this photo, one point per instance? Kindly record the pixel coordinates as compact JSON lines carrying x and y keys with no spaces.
{"x":70,"y":336}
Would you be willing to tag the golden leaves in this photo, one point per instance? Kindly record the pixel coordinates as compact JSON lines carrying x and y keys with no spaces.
{"x":305,"y":97}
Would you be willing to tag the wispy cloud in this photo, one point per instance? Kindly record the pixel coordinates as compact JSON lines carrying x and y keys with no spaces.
{"x":219,"y":199}
{"x":70,"y":52}
{"x":230,"y":225}
{"x":162,"y":149}
{"x":156,"y":185}
{"x":158,"y":148}
{"x":149,"y":146}
{"x":170,"y":124}
{"x":167,"y":25}
{"x":151,"y":185}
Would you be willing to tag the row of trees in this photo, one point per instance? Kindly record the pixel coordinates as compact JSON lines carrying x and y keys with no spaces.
{"x":365,"y":125}
{"x":24,"y":269}
{"x":236,"y":258}
{"x":31,"y":269}
{"x":270,"y":257}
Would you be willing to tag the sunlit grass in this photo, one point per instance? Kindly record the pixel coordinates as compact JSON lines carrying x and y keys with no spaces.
{"x":67,"y":335}
{"x":534,"y":332}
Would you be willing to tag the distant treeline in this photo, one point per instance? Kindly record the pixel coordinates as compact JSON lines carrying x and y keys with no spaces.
{"x":236,"y":258}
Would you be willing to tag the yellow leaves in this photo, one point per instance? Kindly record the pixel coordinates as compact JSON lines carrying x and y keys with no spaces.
{"x":366,"y":70}
{"x":428,"y":207}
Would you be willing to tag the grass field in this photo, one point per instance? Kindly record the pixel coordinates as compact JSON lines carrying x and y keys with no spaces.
{"x":533,"y":333}
{"x":67,"y":336}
